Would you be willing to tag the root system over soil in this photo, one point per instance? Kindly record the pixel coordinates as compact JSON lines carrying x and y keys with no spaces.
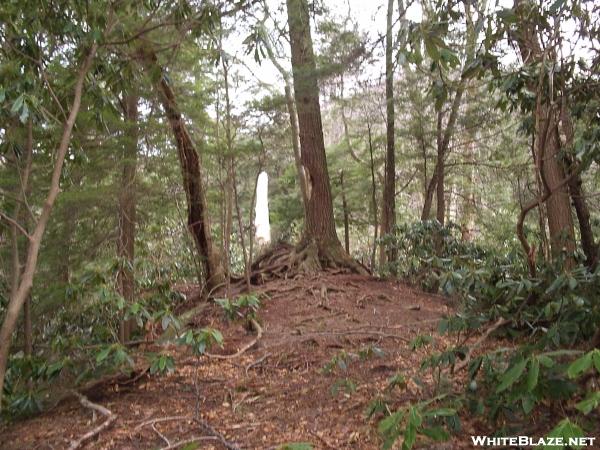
{"x":282,"y":386}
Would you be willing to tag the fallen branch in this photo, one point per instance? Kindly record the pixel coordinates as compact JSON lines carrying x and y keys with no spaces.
{"x":245,"y":348}
{"x":465,"y":362}
{"x":110,"y":418}
{"x":162,"y":419}
{"x":228,"y":445}
{"x":257,"y":362}
{"x":350,"y":332}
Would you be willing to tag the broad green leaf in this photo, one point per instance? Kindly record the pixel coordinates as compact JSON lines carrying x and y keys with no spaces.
{"x":511,"y":376}
{"x":591,"y":402}
{"x":565,"y":429}
{"x":296,"y":446}
{"x":596,"y":358}
{"x":440,"y":412}
{"x":533,"y":374}
{"x":191,"y":446}
{"x":436,"y":433}
{"x":103,"y":354}
{"x":580,"y":365}
{"x":16,"y":106}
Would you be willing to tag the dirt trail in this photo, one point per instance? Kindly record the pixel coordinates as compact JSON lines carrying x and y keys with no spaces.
{"x":276,"y":392}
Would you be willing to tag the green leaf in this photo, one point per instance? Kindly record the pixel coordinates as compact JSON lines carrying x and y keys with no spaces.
{"x":511,"y":376}
{"x":507,"y":15}
{"x":545,"y":361}
{"x":16,"y":106}
{"x":533,"y":374}
{"x":431,"y":48}
{"x":103,"y":354}
{"x":556,"y":6}
{"x":410,"y":436}
{"x":191,"y":446}
{"x":591,"y":402}
{"x":388,"y":423}
{"x":580,"y":365}
{"x":528,"y":402}
{"x":596,"y":358}
{"x":436,"y":433}
{"x":440,"y":412}
{"x":296,"y":446}
{"x":565,"y":429}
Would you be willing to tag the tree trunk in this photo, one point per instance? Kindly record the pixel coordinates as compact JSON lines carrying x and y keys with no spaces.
{"x":198,"y":221}
{"x":22,"y":190}
{"x":426,"y":213}
{"x":229,"y":162}
{"x":293,"y":115}
{"x":373,"y":197}
{"x":241,"y":228}
{"x":127,"y":213}
{"x":388,"y":219}
{"x":346,"y":215}
{"x":319,"y":230}
{"x":17,"y":300}
{"x":547,"y":148}
{"x":439,"y":172}
{"x":589,"y":246}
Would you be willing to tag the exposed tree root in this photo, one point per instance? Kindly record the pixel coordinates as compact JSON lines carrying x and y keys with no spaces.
{"x":110,"y":418}
{"x":214,"y":434}
{"x":286,"y":261}
{"x":245,"y":348}
{"x":217,"y":435}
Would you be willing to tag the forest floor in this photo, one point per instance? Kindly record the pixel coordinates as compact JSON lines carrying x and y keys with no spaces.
{"x":279,"y":390}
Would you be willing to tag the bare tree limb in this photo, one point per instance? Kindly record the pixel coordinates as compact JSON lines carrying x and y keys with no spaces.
{"x":110,"y":418}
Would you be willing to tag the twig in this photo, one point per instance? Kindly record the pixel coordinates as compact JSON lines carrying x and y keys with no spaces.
{"x":15,"y":224}
{"x":259,"y":333}
{"x":461,"y":365}
{"x":257,"y":362}
{"x":349,"y":332}
{"x":162,"y":436}
{"x":322,"y":439}
{"x":110,"y":418}
{"x":162,"y":419}
{"x":217,"y":435}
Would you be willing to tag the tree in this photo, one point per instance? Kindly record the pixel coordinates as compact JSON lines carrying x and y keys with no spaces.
{"x":127,"y":210}
{"x":18,"y":298}
{"x":191,"y":170}
{"x":388,"y":217}
{"x":546,"y":150}
{"x":320,"y":240}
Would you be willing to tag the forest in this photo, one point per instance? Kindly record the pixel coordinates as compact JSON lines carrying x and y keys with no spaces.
{"x":299,"y":224}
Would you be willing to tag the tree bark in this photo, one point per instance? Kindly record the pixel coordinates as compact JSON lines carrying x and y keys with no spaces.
{"x":127,"y":213}
{"x":588,"y":244}
{"x":229,"y":161}
{"x":198,"y":220}
{"x":319,"y":230}
{"x":547,"y":145}
{"x":346,"y":215}
{"x":373,"y":197}
{"x":428,"y":202}
{"x":26,"y":282}
{"x":22,"y":189}
{"x":388,"y":219}
{"x":293,"y":115}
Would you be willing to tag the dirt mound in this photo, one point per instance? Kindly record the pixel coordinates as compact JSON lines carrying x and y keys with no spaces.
{"x":330,"y":343}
